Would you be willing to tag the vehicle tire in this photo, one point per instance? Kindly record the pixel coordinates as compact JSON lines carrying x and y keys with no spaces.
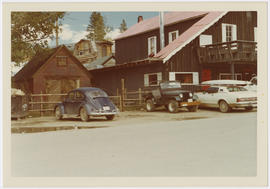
{"x":57,"y":113}
{"x":173,"y":106}
{"x":83,"y":115}
{"x":224,"y":107}
{"x":149,"y":105}
{"x":192,"y":108}
{"x":249,"y":108}
{"x":109,"y":117}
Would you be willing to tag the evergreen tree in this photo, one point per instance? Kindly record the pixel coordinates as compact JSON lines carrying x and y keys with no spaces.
{"x":123,"y":26}
{"x":30,"y":32}
{"x":96,"y":27}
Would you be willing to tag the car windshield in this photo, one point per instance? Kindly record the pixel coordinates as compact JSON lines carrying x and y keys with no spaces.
{"x":236,"y":89}
{"x":170,"y":85}
{"x":96,"y":93}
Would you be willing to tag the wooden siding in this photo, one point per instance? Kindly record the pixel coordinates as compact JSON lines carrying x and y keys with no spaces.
{"x":186,"y":60}
{"x":136,"y":47}
{"x":110,"y":80}
{"x":51,"y":70}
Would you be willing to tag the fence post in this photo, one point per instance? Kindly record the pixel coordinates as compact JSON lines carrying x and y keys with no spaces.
{"x":122,"y":93}
{"x":41,"y":104}
{"x":31,"y":98}
{"x":121,"y":103}
{"x":140,"y":96}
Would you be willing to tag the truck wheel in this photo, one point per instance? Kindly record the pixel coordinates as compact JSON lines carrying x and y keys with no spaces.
{"x":109,"y":117}
{"x":249,"y":108}
{"x":149,"y":106}
{"x":224,"y":107}
{"x":57,"y":113}
{"x":173,"y":106}
{"x":83,"y":114}
{"x":192,"y":108}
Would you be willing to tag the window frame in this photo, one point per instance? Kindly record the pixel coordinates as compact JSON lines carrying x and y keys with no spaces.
{"x":233,"y":32}
{"x":61,"y":65}
{"x":171,"y":35}
{"x":149,"y":45}
{"x":195,"y":77}
{"x":229,"y":74}
{"x":146,"y":79}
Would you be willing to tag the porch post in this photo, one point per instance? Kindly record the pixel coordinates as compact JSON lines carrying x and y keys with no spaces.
{"x":232,"y":70}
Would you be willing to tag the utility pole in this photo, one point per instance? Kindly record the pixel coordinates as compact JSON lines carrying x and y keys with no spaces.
{"x":56,"y":32}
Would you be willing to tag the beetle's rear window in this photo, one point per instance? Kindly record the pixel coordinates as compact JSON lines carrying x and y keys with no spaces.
{"x":95,"y":94}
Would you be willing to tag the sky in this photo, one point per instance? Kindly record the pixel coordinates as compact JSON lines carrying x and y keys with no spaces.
{"x":74,"y":24}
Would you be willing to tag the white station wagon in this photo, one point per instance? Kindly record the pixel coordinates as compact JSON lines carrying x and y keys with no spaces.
{"x":227,"y":97}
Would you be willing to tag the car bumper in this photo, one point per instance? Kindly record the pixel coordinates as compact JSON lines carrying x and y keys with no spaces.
{"x":102,"y":113}
{"x":244,"y":105}
{"x":185,"y":104}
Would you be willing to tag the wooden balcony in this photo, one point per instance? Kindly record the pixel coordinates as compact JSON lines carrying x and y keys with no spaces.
{"x":233,"y":51}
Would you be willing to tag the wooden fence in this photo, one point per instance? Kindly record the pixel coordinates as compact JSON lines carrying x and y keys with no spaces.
{"x":46,"y":102}
{"x":124,"y":100}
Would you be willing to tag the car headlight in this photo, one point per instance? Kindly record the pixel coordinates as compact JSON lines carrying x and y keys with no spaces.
{"x":181,"y":95}
{"x":190,"y":94}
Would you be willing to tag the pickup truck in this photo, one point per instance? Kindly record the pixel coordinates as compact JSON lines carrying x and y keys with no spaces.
{"x":172,"y":96}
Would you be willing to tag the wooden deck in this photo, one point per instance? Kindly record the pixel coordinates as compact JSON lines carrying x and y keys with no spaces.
{"x":233,"y":51}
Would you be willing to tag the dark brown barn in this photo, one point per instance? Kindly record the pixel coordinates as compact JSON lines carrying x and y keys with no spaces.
{"x":199,"y":46}
{"x":55,"y":71}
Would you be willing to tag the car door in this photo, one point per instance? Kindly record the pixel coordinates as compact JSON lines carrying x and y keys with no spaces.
{"x":69,"y":103}
{"x":211,"y":98}
{"x":79,"y":99}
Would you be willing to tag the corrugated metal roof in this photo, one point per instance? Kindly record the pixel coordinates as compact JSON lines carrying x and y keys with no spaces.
{"x":99,"y":63}
{"x":153,"y":23}
{"x":190,"y":34}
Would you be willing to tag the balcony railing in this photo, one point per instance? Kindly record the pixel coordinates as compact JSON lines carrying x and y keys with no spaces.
{"x":233,"y":51}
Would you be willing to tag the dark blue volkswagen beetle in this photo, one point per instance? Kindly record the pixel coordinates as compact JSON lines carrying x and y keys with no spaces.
{"x":85,"y":102}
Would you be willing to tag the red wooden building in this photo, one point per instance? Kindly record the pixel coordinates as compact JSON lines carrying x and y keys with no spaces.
{"x":198,"y":46}
{"x":55,"y":71}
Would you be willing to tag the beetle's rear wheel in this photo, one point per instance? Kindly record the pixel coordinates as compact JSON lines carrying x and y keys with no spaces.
{"x":83,"y":114}
{"x":57,"y":113}
{"x":173,"y":106}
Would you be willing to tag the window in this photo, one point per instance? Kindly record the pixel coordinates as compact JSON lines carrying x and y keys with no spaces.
{"x":152,"y":79}
{"x":185,"y":77}
{"x":79,"y":96}
{"x":61,"y":60}
{"x":81,"y":53}
{"x":237,"y":76}
{"x":152,"y":46}
{"x":71,"y":95}
{"x":173,"y":35}
{"x":229,"y":32}
{"x":205,"y":40}
{"x":255,"y":34}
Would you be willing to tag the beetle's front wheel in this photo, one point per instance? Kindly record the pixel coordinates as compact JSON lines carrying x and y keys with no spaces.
{"x":83,"y":114}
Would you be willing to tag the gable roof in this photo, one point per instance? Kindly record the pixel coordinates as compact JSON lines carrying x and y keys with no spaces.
{"x":34,"y":64}
{"x":191,"y":33}
{"x":39,"y":60}
{"x":153,"y":23}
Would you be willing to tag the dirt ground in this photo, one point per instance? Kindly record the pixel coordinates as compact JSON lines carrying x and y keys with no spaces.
{"x":122,"y":119}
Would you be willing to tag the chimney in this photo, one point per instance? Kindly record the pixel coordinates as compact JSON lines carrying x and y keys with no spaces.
{"x":161,"y":26}
{"x":140,"y":18}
